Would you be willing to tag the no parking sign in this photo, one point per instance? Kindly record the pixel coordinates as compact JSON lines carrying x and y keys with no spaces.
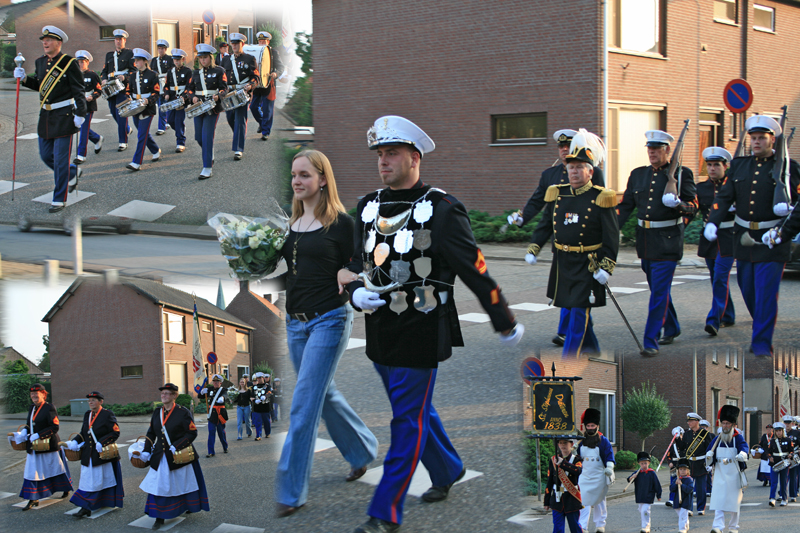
{"x":738,"y":96}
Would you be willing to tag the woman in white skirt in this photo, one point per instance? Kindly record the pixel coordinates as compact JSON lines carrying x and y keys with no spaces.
{"x":172,"y":489}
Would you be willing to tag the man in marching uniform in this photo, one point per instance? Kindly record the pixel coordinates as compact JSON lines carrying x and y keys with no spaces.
{"x":780,"y":451}
{"x":411,"y":240}
{"x":91,"y":87}
{"x":242,"y":73}
{"x":119,"y":64}
{"x":718,"y":254}
{"x":751,"y":187}
{"x":101,"y":479}
{"x":555,"y":175}
{"x":597,"y":458}
{"x":580,"y":218}
{"x":659,"y":234}
{"x":727,"y":454}
{"x":561,"y":494}
{"x":208,"y":83}
{"x":162,"y":64}
{"x":217,"y":414}
{"x":793,"y":432}
{"x":261,"y":410}
{"x":143,"y":85}
{"x":263,"y":103}
{"x":178,"y":80}
{"x":693,"y":444}
{"x":62,"y":107}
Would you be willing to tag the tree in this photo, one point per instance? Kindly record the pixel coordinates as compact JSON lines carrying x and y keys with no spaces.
{"x":645,"y":411}
{"x":44,"y":364}
{"x":14,"y":367}
{"x":275,"y":31}
{"x":299,"y":108}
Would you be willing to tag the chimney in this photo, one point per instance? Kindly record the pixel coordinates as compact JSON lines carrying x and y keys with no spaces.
{"x":244,"y":286}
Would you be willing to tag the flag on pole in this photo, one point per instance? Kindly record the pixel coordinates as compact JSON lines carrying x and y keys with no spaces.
{"x":200,"y":378}
{"x":785,"y":408}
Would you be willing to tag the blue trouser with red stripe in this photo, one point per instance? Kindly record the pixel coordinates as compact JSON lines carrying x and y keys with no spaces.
{"x":660,"y":313}
{"x":237,"y":120}
{"x":86,"y":135}
{"x":55,"y":153}
{"x":205,"y":127}
{"x":579,"y":329}
{"x":721,"y":304}
{"x":143,"y":138}
{"x":417,"y":435}
{"x":760,"y":284}
{"x":563,"y":321}
{"x":122,"y":123}
{"x":162,"y":116}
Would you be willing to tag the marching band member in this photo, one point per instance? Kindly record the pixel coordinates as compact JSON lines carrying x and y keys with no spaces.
{"x":172,"y":489}
{"x":59,"y":81}
{"x":693,"y":444}
{"x":217,"y":414}
{"x":780,"y":448}
{"x":729,"y":459}
{"x":119,"y":64}
{"x":178,"y":79}
{"x":242,"y":73}
{"x":585,"y":242}
{"x":143,"y":85}
{"x":718,"y":254}
{"x":597,"y":457}
{"x":223,"y":51}
{"x":101,"y":479}
{"x":162,"y":64}
{"x":45,"y":472}
{"x":793,"y":432}
{"x":647,"y":488}
{"x":561,"y":494}
{"x":750,"y":186}
{"x":659,"y":234}
{"x":92,"y":92}
{"x":208,"y":82}
{"x":262,"y":392}
{"x":263,"y":103}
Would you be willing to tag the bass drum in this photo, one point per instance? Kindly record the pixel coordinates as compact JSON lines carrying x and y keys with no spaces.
{"x":263,"y":61}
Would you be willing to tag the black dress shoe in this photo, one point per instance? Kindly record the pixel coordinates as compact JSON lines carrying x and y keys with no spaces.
{"x":649,"y":352}
{"x":158,"y":523}
{"x":31,"y":504}
{"x":258,"y":130}
{"x":558,"y":340}
{"x":56,"y":208}
{"x":667,"y":339}
{"x":66,"y":494}
{"x":225,"y":451}
{"x":668,"y":503}
{"x":282,"y":511}
{"x":376,"y":525}
{"x":728,"y":324}
{"x":356,"y":473}
{"x":83,"y":512}
{"x":711,"y":330}
{"x":437,"y":494}
{"x":210,"y":455}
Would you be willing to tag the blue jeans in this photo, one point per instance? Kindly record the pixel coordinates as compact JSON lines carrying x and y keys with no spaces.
{"x":315,"y":348}
{"x":243,"y":417}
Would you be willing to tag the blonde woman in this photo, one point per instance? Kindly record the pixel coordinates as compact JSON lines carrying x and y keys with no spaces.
{"x":318,"y":325}
{"x":243,"y":409}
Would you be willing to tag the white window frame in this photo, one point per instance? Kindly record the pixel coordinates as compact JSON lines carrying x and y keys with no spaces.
{"x":166,"y":328}
{"x":735,"y":19}
{"x":219,"y":329}
{"x":771,"y":10}
{"x":246,"y":371}
{"x":225,"y":372}
{"x":610,"y":431}
{"x":205,"y":324}
{"x":248,"y":31}
{"x":246,"y":336}
{"x":154,"y":37}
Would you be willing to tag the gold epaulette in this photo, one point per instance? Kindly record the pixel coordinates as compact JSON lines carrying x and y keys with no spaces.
{"x":552,"y":193}
{"x":606,"y":198}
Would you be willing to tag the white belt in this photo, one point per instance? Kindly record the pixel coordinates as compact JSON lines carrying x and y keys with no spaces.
{"x":209,"y":92}
{"x":728,"y":224}
{"x":654,"y":224}
{"x":757,"y":225}
{"x":59,"y":105}
{"x":120,"y":73}
{"x":141,"y":96}
{"x":700,"y":458}
{"x":241,"y":85}
{"x":179,"y":88}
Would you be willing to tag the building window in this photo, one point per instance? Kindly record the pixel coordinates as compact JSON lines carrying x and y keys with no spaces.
{"x":736,"y":359}
{"x":626,"y":149}
{"x":525,"y":128}
{"x":728,"y":358}
{"x":635,"y":25}
{"x":198,"y":34}
{"x":107,"y":32}
{"x":242,"y":341}
{"x":205,"y":325}
{"x":714,"y":404}
{"x":173,"y":328}
{"x":225,"y":372}
{"x":603,"y":401}
{"x":248,"y":32}
{"x":223,"y":32}
{"x":220,"y":329}
{"x":714,"y":357}
{"x":241,"y":371}
{"x":710,"y":135}
{"x":167,"y":30}
{"x":132,"y":372}
{"x":725,"y":11}
{"x":763,"y":18}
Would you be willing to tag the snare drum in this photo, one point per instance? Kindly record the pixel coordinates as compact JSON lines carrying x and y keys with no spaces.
{"x":172,"y":105}
{"x":112,"y":88}
{"x":781,"y":465}
{"x":131,"y":107}
{"x":195,"y":110}
{"x":235,"y":99}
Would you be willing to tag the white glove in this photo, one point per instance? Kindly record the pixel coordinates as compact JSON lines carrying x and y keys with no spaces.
{"x":670,"y":200}
{"x":732,"y":209}
{"x":515,"y":218}
{"x":742,"y":457}
{"x":204,"y":391}
{"x":78,"y":121}
{"x":771,"y":237}
{"x":258,"y":401}
{"x":34,"y":437}
{"x":710,"y":233}
{"x":367,"y":300}
{"x":19,"y":72}
{"x":145,"y":456}
{"x":530,"y":259}
{"x":173,"y":450}
{"x":781,"y":209}
{"x":601,"y":276}
{"x":74,"y":445}
{"x":220,"y":400}
{"x":708,"y":469}
{"x":20,"y":437}
{"x":677,"y":431}
{"x":98,"y":447}
{"x":609,"y":472}
{"x":513,"y":338}
{"x":709,"y":459}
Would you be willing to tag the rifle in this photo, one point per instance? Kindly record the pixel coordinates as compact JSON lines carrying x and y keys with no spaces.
{"x":740,"y":148}
{"x":780,"y":171}
{"x":673,"y":181}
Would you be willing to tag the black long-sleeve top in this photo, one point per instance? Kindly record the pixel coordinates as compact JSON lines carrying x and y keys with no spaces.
{"x":91,"y":86}
{"x":59,"y":122}
{"x":567,"y":503}
{"x":216,"y":83}
{"x":162,"y":66}
{"x":244,"y":398}
{"x":144,"y":85}
{"x":182,"y":432}
{"x":106,"y":430}
{"x":45,"y":423}
{"x":706,"y":192}
{"x":556,"y":175}
{"x":124,"y":62}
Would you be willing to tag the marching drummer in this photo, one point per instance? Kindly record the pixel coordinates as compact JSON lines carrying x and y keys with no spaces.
{"x":208,"y":83}
{"x":143,"y":87}
{"x":223,"y":51}
{"x":780,"y":448}
{"x":118,"y":65}
{"x":177,"y":82}
{"x":242,"y":73}
{"x":263,"y":102}
{"x":91,"y":89}
{"x":162,"y":64}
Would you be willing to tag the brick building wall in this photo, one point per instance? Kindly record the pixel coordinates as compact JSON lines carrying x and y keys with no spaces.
{"x":268,"y":341}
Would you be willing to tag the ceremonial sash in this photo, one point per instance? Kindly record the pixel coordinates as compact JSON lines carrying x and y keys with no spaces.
{"x":564,"y":478}
{"x":698,"y":439}
{"x":51,"y":79}
{"x":214,"y":406}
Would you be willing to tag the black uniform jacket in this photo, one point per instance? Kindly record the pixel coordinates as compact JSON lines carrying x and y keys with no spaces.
{"x":567,"y":502}
{"x":245,"y":66}
{"x":91,"y":85}
{"x":166,"y":63}
{"x":786,"y":448}
{"x":578,"y":217}
{"x":556,"y":175}
{"x":258,"y":391}
{"x":706,"y":191}
{"x":182,"y":432}
{"x":645,"y":189}
{"x":219,"y":415}
{"x":105,"y":429}
{"x":147,"y":88}
{"x":58,"y":122}
{"x":183,"y":77}
{"x":763,"y":443}
{"x":750,"y":186}
{"x":45,"y":424}
{"x":695,"y":445}
{"x":687,"y":490}
{"x":276,"y":66}
{"x":216,"y":83}
{"x":124,"y":62}
{"x":414,"y":339}
{"x":646,"y":485}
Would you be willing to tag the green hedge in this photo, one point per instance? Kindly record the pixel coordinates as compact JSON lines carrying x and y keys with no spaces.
{"x":17,"y":392}
{"x":64,"y":411}
{"x":547,"y":449}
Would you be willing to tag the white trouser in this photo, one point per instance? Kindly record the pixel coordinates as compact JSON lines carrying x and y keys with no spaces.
{"x":600,"y":516}
{"x":644,"y":511}
{"x":719,"y":520}
{"x":683,"y":519}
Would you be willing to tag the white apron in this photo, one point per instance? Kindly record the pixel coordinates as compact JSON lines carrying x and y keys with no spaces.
{"x":765,"y":468}
{"x":44,"y":465}
{"x":726,"y":494}
{"x":166,"y":482}
{"x":592,"y":481}
{"x":97,"y":478}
